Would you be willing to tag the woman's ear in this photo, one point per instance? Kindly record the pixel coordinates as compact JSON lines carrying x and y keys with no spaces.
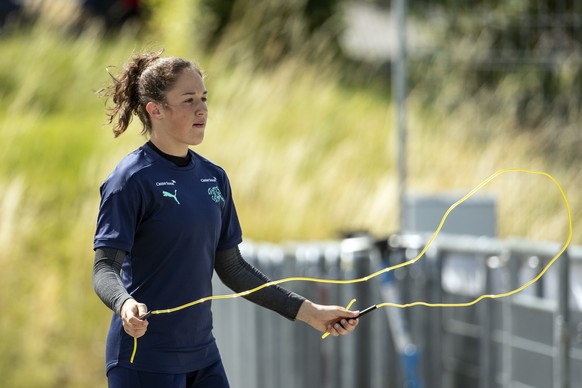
{"x":154,"y":110}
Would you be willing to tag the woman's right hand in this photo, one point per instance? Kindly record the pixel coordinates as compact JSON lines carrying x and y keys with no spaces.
{"x":130,"y":312}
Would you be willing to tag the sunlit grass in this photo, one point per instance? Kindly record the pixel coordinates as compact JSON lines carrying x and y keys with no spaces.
{"x":453,"y":151}
{"x":293,"y":143}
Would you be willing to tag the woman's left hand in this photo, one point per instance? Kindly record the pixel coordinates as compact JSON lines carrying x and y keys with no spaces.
{"x":334,"y":319}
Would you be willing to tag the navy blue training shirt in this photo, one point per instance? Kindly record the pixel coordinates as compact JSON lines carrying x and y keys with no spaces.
{"x":171,"y":220}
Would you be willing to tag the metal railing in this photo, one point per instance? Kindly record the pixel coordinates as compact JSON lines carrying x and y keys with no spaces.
{"x":531,"y":339}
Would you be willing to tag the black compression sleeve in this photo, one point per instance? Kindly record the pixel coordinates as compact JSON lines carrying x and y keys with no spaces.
{"x":239,"y":275}
{"x":106,"y":279}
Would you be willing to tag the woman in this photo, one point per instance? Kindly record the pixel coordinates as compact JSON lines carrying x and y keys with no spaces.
{"x":166,"y":221}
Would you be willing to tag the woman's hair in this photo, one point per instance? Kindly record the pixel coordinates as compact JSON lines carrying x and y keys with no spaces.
{"x":146,"y":77}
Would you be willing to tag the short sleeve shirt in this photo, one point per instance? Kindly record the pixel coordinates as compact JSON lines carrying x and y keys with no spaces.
{"x":170,"y":220}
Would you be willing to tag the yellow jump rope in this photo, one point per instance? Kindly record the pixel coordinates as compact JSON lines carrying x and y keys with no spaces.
{"x":406,"y":263}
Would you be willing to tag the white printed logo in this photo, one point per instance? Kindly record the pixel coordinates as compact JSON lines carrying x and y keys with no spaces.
{"x":170,"y":183}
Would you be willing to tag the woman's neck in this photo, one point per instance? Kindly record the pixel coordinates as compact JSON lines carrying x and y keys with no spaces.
{"x":179,"y":150}
{"x":179,"y":161}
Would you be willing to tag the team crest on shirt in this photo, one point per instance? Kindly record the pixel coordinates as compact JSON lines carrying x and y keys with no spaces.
{"x":215,"y":194}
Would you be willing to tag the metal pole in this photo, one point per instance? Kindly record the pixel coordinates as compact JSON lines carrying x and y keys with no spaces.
{"x":399,"y":92}
{"x":513,"y":268}
{"x":485,"y":339}
{"x":358,"y":250}
{"x":562,"y":326}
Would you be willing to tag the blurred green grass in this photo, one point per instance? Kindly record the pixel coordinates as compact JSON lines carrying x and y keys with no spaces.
{"x":307,"y":156}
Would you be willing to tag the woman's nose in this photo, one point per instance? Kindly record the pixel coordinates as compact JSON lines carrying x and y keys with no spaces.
{"x":202,"y":110}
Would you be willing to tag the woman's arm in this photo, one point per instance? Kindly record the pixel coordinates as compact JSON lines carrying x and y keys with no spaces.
{"x":109,"y":287}
{"x":106,"y":279}
{"x":240,"y":276}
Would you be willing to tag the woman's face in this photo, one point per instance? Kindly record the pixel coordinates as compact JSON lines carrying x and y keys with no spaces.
{"x":182,"y":118}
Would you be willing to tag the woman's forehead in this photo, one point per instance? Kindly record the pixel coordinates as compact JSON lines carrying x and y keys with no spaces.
{"x":189,"y":81}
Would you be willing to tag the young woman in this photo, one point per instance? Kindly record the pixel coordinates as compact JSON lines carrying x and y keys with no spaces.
{"x":167,"y":220}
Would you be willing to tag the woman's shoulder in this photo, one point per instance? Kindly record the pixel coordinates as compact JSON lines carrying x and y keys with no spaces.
{"x":128,"y":167}
{"x":207,"y":164}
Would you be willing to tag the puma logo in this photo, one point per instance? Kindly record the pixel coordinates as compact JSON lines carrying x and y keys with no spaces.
{"x":175,"y":195}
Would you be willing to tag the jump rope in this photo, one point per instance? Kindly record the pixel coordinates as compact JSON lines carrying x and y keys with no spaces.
{"x":404,"y":264}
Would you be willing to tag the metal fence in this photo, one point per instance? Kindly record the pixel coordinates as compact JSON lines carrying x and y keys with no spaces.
{"x":531,"y":339}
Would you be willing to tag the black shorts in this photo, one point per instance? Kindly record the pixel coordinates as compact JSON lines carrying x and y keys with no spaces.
{"x":212,"y":376}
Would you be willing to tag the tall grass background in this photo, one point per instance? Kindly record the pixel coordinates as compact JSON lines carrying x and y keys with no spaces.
{"x":307,"y":156}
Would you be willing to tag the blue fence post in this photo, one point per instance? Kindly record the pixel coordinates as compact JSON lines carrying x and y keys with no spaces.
{"x":407,"y":350}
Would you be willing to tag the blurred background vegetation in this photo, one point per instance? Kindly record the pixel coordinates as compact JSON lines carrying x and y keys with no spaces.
{"x":304,"y":129}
